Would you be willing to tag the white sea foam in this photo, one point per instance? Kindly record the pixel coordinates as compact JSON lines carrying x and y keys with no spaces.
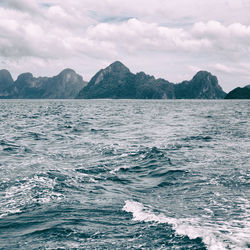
{"x":211,"y":233}
{"x":118,"y":169}
{"x":37,"y":190}
{"x":9,"y":211}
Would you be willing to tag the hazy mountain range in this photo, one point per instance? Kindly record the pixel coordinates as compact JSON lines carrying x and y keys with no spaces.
{"x":65,"y":85}
{"x":115,"y":81}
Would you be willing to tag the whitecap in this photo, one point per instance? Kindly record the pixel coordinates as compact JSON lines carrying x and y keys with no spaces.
{"x":212,"y":234}
{"x":35,"y":190}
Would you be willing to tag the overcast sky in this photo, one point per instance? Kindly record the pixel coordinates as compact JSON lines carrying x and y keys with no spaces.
{"x":171,"y":39}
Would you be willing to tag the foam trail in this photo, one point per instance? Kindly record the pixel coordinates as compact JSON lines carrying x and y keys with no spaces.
{"x":181,"y":226}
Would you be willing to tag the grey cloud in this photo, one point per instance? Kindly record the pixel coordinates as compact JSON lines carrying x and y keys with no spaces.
{"x":154,"y":35}
{"x":23,"y":5}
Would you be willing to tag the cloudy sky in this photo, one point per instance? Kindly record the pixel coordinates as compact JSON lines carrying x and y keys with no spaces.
{"x":172,"y":39}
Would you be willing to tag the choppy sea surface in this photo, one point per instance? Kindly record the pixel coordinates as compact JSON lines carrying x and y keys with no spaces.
{"x":124,"y":174}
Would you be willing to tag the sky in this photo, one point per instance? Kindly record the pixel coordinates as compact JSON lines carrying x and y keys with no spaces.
{"x":170,"y":39}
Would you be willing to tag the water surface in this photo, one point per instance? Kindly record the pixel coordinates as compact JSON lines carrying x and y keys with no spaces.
{"x":124,"y":174}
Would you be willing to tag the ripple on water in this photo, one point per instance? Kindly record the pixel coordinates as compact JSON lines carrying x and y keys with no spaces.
{"x":68,"y":166}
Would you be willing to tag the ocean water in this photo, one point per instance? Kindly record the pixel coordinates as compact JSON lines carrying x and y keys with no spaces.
{"x":124,"y":174}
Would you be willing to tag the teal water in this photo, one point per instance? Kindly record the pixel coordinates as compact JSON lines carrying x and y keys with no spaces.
{"x":124,"y":174}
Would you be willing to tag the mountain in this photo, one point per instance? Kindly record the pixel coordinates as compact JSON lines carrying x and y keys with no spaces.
{"x":6,"y":83}
{"x":239,"y":93}
{"x":116,"y":81}
{"x":203,"y":86}
{"x":147,"y":87}
{"x":63,"y":86}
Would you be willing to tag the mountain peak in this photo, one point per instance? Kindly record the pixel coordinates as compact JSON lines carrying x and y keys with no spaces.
{"x":205,"y":78}
{"x":202,"y":74}
{"x":25,"y":76}
{"x":6,"y":80}
{"x":69,"y":76}
{"x":4,"y":72}
{"x":5,"y":75}
{"x":116,"y":70}
{"x":67,"y":71}
{"x":203,"y":85}
{"x":117,"y":66}
{"x":117,"y":63}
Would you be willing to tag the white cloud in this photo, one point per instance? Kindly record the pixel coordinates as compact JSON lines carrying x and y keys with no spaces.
{"x":203,"y":38}
{"x":134,"y":35}
{"x":223,"y":68}
{"x":242,"y":69}
{"x":162,"y":11}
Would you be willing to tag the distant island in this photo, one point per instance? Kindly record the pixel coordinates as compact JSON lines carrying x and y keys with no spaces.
{"x":116,"y":82}
{"x":239,"y":93}
{"x":63,"y":86}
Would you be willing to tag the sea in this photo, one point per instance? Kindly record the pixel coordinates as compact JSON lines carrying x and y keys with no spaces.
{"x":125,"y":174}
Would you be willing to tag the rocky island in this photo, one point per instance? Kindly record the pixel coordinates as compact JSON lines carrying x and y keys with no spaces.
{"x":239,"y":93}
{"x":63,"y":86}
{"x":115,"y":81}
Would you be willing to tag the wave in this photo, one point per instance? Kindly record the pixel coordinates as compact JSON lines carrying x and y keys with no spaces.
{"x":169,"y":173}
{"x":151,"y":153}
{"x":206,"y":138}
{"x":212,"y":235}
{"x":146,"y":162}
{"x":10,"y":147}
{"x":27,"y":193}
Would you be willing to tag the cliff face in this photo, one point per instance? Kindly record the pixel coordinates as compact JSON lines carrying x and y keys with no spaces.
{"x":116,"y":81}
{"x":239,"y":93}
{"x":65,"y":85}
{"x":203,"y":86}
{"x":6,"y":82}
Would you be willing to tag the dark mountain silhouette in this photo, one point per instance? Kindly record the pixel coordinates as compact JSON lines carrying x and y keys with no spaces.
{"x":65,"y":85}
{"x":239,"y":93}
{"x":116,"y":81}
{"x":203,"y":86}
{"x":6,"y":83}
